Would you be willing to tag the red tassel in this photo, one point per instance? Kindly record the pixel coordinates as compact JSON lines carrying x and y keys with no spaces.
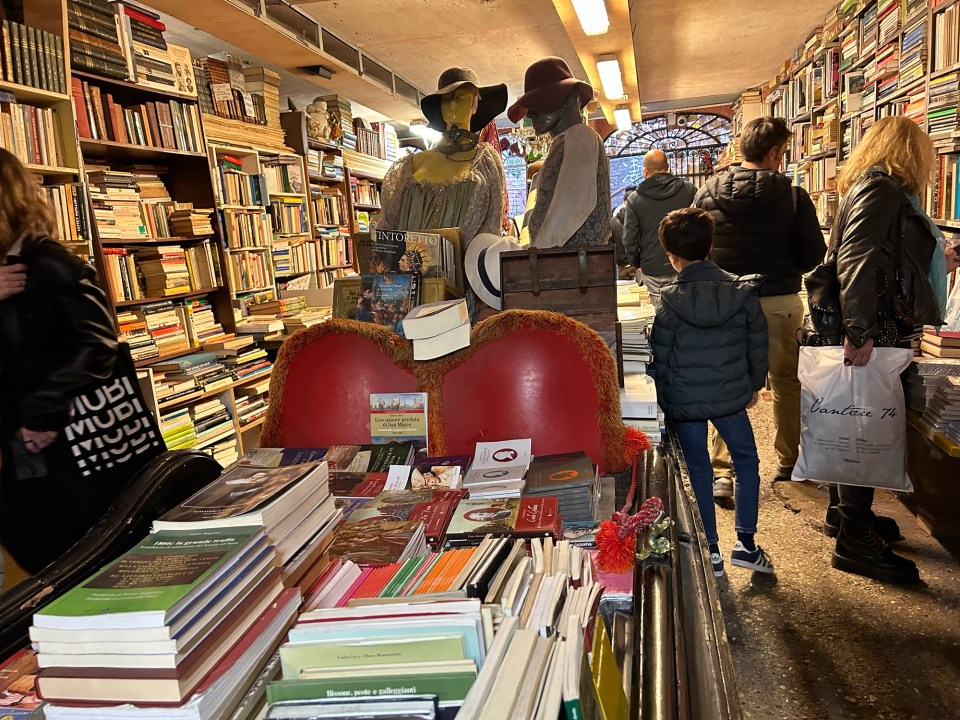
{"x":617,"y":538}
{"x":614,"y":554}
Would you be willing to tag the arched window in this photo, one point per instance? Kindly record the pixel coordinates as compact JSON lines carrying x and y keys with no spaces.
{"x":691,"y":141}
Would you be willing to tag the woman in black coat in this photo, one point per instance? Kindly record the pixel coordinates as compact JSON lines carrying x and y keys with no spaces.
{"x":58,"y":339}
{"x":882,"y":233}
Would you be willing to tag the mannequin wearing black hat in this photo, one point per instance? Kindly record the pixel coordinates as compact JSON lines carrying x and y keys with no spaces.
{"x":570,"y":200}
{"x":459,"y":183}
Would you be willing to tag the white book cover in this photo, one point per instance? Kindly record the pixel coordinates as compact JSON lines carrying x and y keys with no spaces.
{"x":503,"y":454}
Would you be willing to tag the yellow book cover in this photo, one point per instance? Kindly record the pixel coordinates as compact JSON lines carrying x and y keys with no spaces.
{"x":606,"y":675}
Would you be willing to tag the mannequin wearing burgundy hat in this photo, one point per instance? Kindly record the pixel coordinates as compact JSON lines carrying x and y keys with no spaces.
{"x":459,"y":183}
{"x":570,"y":200}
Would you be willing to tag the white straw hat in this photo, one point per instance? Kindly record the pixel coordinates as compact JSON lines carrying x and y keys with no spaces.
{"x":482,"y":266}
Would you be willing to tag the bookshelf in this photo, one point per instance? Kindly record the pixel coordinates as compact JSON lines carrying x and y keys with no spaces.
{"x":327,"y":253}
{"x":868,"y":60}
{"x":35,"y":104}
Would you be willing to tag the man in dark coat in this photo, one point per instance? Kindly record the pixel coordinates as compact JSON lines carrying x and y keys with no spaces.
{"x":656,"y":196}
{"x":625,"y":268}
{"x":766,"y":226}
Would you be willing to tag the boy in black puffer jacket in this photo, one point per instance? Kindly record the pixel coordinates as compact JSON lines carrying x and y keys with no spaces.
{"x":710,"y":360}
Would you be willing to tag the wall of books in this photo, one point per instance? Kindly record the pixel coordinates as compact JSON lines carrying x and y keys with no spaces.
{"x":870,"y":59}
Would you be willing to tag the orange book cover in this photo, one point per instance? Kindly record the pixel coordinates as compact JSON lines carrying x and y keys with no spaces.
{"x":431,"y":577}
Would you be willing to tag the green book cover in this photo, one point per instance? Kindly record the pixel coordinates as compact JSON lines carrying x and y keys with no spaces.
{"x":296,"y":657}
{"x":448,"y":687}
{"x":152,"y":578}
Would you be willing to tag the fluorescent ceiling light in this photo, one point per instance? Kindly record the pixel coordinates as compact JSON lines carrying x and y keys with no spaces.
{"x":592,"y":15}
{"x":621,"y":116}
{"x":420,"y":127}
{"x":609,"y":69}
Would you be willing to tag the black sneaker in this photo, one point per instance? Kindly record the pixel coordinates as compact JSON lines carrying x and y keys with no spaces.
{"x":755,"y":560}
{"x":716,"y":559}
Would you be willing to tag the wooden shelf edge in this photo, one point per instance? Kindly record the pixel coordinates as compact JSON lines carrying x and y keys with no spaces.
{"x":83,"y":74}
{"x":29,"y":94}
{"x":180,"y":296}
{"x":131,"y":148}
{"x":157,"y":241}
{"x":251,"y":425}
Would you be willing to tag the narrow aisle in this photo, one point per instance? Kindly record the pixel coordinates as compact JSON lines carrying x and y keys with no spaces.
{"x":813,"y":643}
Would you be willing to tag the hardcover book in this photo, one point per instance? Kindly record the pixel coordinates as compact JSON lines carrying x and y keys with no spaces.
{"x":434,"y":508}
{"x":553,"y":473}
{"x":518,"y":517}
{"x":385,"y":299}
{"x":429,"y":254}
{"x":368,"y":458}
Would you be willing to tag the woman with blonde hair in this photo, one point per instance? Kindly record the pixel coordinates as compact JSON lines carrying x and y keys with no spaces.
{"x":58,"y":339}
{"x":892,"y":264}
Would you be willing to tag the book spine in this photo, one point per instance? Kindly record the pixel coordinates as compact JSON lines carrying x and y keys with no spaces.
{"x":7,"y":55}
{"x":61,"y":67}
{"x":98,"y":28}
{"x":91,"y":40}
{"x":85,"y":62}
{"x":26,"y":73}
{"x":80,"y":108}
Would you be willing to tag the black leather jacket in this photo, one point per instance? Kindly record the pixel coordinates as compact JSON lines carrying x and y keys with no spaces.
{"x":873,"y":212}
{"x":58,"y":337}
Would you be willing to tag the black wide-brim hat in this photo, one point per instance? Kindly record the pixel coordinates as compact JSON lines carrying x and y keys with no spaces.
{"x":492,"y":102}
{"x":546,"y":84}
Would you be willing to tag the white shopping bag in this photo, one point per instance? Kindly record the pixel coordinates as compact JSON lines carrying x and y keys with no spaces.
{"x":852,"y":420}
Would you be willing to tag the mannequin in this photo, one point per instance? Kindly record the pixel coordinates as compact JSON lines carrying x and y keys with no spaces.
{"x":459,"y":183}
{"x":569,"y":203}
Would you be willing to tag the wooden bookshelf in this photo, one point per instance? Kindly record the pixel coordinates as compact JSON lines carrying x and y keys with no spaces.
{"x":127,"y":85}
{"x":113,"y":151}
{"x":160,"y":298}
{"x":32,"y":95}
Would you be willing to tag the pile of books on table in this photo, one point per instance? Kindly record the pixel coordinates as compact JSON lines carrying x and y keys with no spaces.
{"x":636,"y":323}
{"x":437,"y":329}
{"x":639,"y":408}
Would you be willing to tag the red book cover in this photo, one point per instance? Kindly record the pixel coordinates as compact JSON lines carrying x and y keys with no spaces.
{"x":434,"y":508}
{"x":518,"y":517}
{"x":145,"y":19}
{"x":80,"y":107}
{"x":110,"y":117}
{"x":357,"y":485}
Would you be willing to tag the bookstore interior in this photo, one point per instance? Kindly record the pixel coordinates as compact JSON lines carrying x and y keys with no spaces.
{"x":390,"y":403}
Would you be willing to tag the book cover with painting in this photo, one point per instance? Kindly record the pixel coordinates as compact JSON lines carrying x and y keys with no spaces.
{"x":357,"y":485}
{"x":385,"y":299}
{"x":378,"y":543}
{"x":434,"y":508}
{"x":408,"y":251}
{"x":368,"y":458}
{"x":399,"y":417}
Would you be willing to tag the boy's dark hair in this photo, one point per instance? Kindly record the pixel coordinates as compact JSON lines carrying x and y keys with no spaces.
{"x":760,"y":136}
{"x":687,"y":233}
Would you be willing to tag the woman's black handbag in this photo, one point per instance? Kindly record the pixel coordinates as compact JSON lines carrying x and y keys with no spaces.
{"x":823,"y":324}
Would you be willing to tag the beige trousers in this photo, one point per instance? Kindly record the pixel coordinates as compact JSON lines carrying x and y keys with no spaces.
{"x":784,"y":314}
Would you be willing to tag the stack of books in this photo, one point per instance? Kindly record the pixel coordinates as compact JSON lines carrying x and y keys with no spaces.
{"x":246,"y":363}
{"x":379,"y":543}
{"x":187,"y":221}
{"x":639,"y":408}
{"x":573,"y":479}
{"x":498,"y":469}
{"x":202,"y":367}
{"x":166,"y":326}
{"x":635,"y":325}
{"x":211,"y":421}
{"x":290,"y":503}
{"x":438,"y":329}
{"x":924,"y":376}
{"x":134,"y":332}
{"x":95,"y":44}
{"x":942,"y":411}
{"x":116,"y":205}
{"x":250,"y":409}
{"x":184,"y":620}
{"x":940,"y":343}
{"x":164,"y":269}
{"x":202,"y":326}
{"x":173,"y":387}
{"x":177,"y":429}
{"x":266,"y":83}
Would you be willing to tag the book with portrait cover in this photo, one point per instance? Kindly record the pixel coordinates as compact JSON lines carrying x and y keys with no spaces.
{"x":434,"y":508}
{"x":430,"y":254}
{"x":399,"y":417}
{"x":516,"y":517}
{"x":386,"y":298}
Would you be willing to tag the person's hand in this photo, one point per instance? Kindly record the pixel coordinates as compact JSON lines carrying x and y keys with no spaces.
{"x":13,"y":278}
{"x":952,"y":256}
{"x":857,"y":356}
{"x":36,"y":440}
{"x":753,"y":400}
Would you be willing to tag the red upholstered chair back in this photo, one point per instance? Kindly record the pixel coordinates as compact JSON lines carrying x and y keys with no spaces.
{"x":530,"y":374}
{"x":322,"y":380}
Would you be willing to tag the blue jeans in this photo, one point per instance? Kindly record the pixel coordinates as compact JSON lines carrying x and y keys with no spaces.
{"x":737,"y":433}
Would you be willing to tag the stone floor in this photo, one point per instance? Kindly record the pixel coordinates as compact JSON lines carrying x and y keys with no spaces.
{"x":813,"y":643}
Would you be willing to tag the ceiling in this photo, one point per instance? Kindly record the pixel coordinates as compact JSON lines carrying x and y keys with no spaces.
{"x":719,"y":48}
{"x":419,"y":39}
{"x":687,"y":53}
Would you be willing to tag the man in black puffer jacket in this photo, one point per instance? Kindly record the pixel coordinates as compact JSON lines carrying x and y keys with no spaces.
{"x":710,"y":359}
{"x":765,"y":226}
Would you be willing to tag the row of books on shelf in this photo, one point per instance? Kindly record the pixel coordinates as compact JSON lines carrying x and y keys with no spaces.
{"x":288,"y":216}
{"x":165,"y":327}
{"x":249,"y":270}
{"x":32,"y":57}
{"x":333,"y":250}
{"x":284,"y":174}
{"x":31,"y":133}
{"x":365,"y":192}
{"x":69,"y":211}
{"x":230,"y":90}
{"x":325,"y":164}
{"x":328,"y":208}
{"x":138,"y":273}
{"x":170,"y":124}
{"x":370,"y":606}
{"x":245,"y":228}
{"x":237,"y":187}
{"x":946,"y":38}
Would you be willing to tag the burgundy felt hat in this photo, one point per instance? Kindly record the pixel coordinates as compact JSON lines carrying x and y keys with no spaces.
{"x":546,"y":84}
{"x":493,"y":99}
